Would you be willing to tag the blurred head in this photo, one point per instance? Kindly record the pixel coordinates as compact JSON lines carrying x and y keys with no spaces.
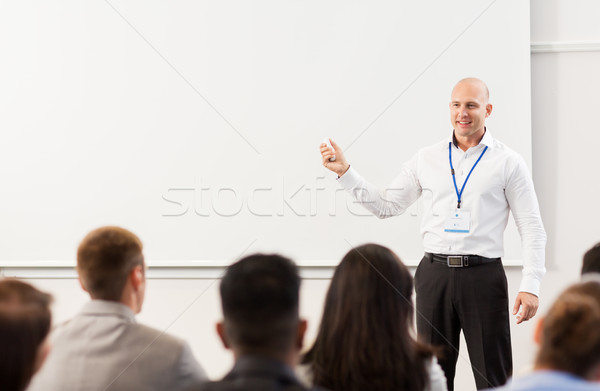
{"x":259,"y":297}
{"x":24,"y":325}
{"x":369,"y":283}
{"x":110,"y":264}
{"x":365,"y":338}
{"x":591,"y":260}
{"x":469,"y":107}
{"x":569,"y":335}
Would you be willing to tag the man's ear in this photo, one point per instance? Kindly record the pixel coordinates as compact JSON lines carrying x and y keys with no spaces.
{"x":220,"y":327}
{"x":302,"y":326}
{"x":488,"y":109}
{"x":538,"y":332}
{"x":81,"y":284}
{"x":137,"y":278}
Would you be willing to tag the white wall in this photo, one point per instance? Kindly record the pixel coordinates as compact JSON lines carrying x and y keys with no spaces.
{"x":566,"y":142}
{"x":566,"y":145}
{"x":281,"y":74}
{"x":565,"y":158}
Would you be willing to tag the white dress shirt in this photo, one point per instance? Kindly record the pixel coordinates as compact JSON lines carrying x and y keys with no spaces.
{"x":499,"y":183}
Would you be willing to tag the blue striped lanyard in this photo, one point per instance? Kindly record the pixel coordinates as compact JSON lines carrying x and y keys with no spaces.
{"x":459,"y":194}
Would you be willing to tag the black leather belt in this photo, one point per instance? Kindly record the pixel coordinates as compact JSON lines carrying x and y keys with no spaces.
{"x":460,"y":260}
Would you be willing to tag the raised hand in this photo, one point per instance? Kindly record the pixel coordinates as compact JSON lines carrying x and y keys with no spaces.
{"x":340,"y":164}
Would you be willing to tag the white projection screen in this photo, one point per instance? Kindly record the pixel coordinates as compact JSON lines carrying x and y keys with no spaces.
{"x":196,"y":124}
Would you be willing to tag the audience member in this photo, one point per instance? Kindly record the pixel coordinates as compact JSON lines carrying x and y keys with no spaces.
{"x":569,"y":339}
{"x":102,"y":347}
{"x":259,"y":297}
{"x":24,"y":326}
{"x":591,"y":260}
{"x":365,"y":340}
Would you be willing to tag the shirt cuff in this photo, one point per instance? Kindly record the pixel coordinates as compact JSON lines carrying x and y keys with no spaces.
{"x":530,"y":285}
{"x":350,"y":179}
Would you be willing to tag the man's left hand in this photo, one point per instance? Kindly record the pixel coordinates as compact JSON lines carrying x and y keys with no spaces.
{"x":528,"y":303}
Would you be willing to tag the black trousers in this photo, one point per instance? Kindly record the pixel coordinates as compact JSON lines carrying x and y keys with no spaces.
{"x":474,"y":299}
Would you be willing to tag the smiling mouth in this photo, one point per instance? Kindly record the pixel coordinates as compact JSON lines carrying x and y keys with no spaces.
{"x":464,"y":122}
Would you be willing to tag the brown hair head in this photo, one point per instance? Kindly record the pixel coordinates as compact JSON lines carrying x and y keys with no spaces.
{"x":260,"y":299}
{"x":24,"y":325}
{"x":105,"y":258}
{"x":570,"y":332}
{"x":591,"y":260}
{"x":365,"y":337}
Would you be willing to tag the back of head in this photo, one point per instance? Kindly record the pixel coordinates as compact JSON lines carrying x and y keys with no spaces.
{"x":364,"y":339}
{"x":104,"y":259}
{"x":591,"y":260}
{"x":24,"y":325}
{"x":570,"y":334}
{"x":259,"y":297}
{"x":369,"y":283}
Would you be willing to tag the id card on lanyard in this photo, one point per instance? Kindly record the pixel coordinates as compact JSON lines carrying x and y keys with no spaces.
{"x":458,"y":220}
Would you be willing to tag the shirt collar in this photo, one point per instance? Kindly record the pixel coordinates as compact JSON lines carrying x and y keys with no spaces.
{"x":108,"y":308}
{"x":486,"y":140}
{"x":257,"y":366}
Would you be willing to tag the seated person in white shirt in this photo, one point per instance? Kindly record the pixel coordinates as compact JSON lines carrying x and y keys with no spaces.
{"x":103,"y":347}
{"x":365,"y":339}
{"x":569,"y":340}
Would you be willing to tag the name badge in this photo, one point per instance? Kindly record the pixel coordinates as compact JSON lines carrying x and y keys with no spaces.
{"x":458,"y":221}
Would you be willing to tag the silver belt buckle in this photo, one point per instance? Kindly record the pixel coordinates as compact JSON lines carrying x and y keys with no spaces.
{"x":457,"y":261}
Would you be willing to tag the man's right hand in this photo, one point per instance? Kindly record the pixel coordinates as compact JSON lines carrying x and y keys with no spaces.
{"x":340,"y":165}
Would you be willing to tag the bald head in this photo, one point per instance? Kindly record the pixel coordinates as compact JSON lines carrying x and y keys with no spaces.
{"x":474,"y":83}
{"x":469,"y":107}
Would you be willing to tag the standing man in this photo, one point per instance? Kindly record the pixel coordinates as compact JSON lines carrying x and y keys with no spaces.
{"x":474,"y":181}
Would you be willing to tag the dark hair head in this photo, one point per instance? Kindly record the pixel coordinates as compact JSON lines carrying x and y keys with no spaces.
{"x":364,"y":340}
{"x":570,"y":337}
{"x":24,"y":325}
{"x":259,"y":296}
{"x":105,"y":258}
{"x":591,"y":260}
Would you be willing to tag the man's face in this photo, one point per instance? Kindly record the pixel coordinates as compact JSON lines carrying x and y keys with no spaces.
{"x":468,"y":109}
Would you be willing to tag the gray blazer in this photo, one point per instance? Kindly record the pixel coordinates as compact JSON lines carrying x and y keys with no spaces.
{"x":103,"y":348}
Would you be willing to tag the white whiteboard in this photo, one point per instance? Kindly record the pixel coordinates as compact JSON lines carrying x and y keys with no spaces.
{"x":196,"y":124}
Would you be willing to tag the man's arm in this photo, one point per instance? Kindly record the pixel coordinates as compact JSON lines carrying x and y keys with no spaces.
{"x":189,"y":372}
{"x":523,"y":203}
{"x":400,"y":194}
